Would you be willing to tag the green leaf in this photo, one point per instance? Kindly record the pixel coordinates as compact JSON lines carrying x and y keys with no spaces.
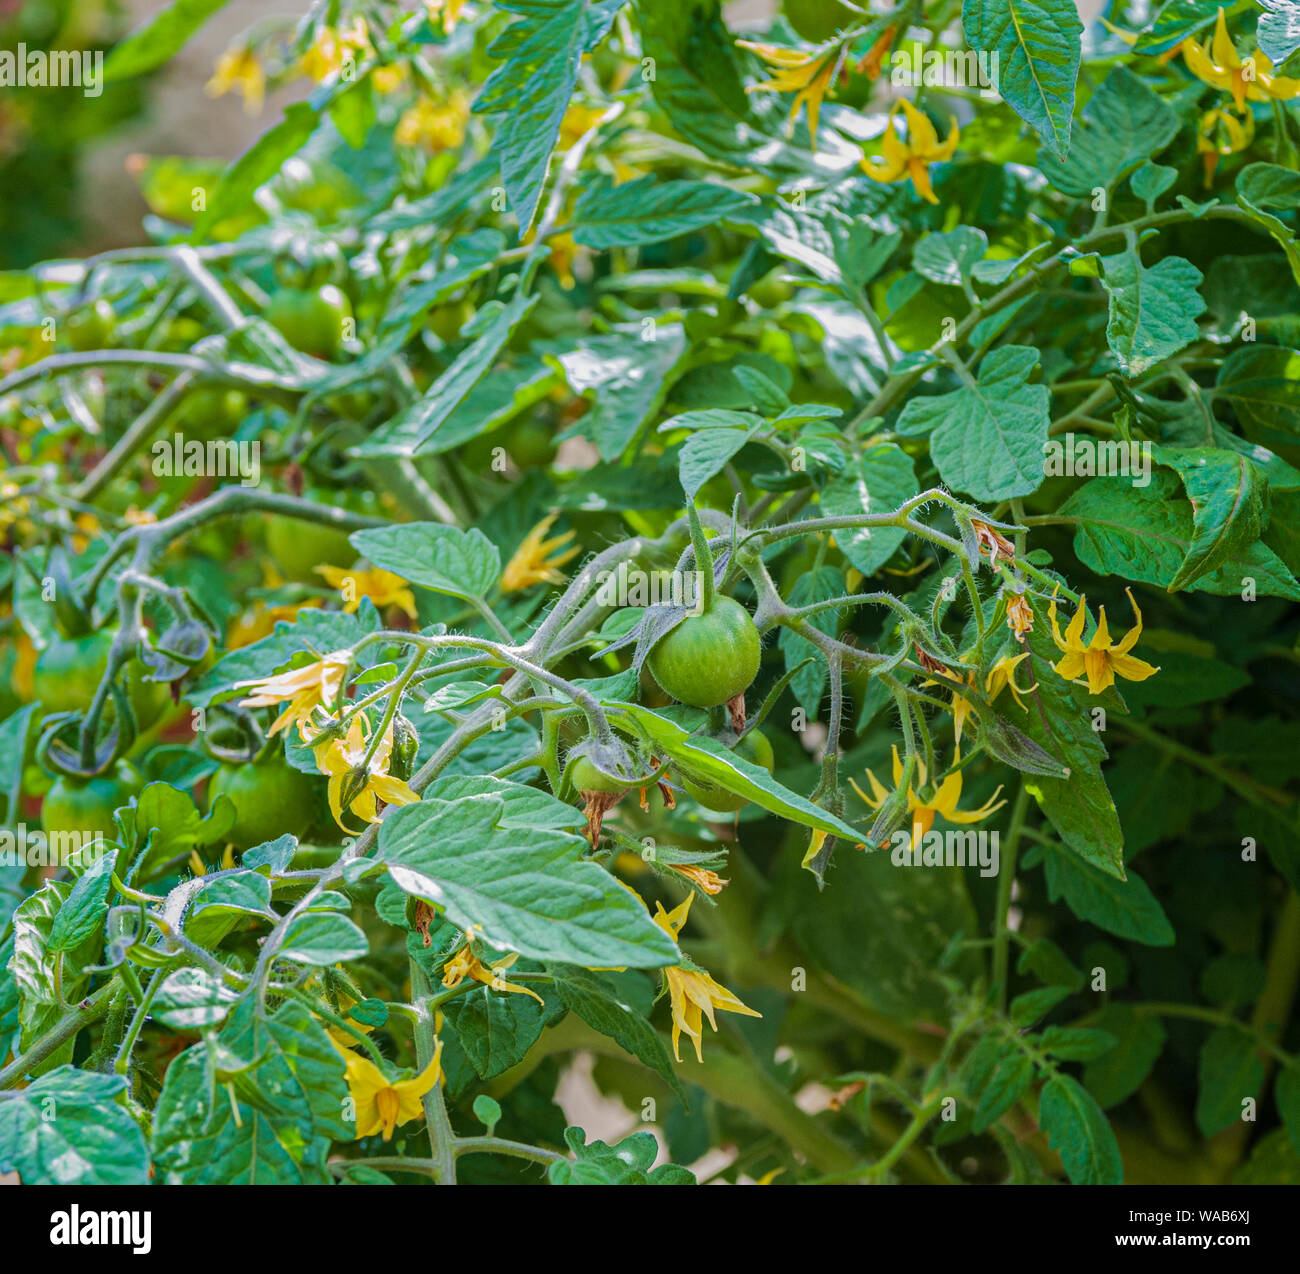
{"x":426,"y":417}
{"x":1230,"y":506}
{"x":878,"y":480}
{"x":706,"y":453}
{"x":1230,"y":1071}
{"x":260,"y":1104}
{"x":83,"y":913}
{"x":1146,"y":533}
{"x":1115,"y":1076}
{"x":157,"y":40}
{"x":808,"y":684}
{"x":604,"y":1002}
{"x":648,"y":211}
{"x":529,"y":93}
{"x":1074,"y":1044}
{"x":707,"y":758}
{"x":1008,"y":1082}
{"x":1151,"y":181}
{"x":950,"y":257}
{"x":1078,"y":1130}
{"x":464,"y":564}
{"x":1265,"y":188}
{"x":1153,"y":309}
{"x":256,"y":166}
{"x":170,"y":822}
{"x":988,"y":438}
{"x":497,"y":1028}
{"x":1026,"y":1009}
{"x":626,"y":1164}
{"x":1037,"y":43}
{"x":1123,"y":907}
{"x":1176,"y":20}
{"x":1124,"y":123}
{"x":1278,"y":31}
{"x":1262,"y":382}
{"x":68,"y":1128}
{"x":525,"y":890}
{"x":627,"y":377}
{"x":192,"y":1000}
{"x":322,"y":938}
{"x":1286,"y":1093}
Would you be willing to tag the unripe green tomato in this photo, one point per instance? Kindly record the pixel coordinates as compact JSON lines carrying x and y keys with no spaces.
{"x":86,"y":808}
{"x":298,"y":547}
{"x":770,"y":291}
{"x":818,"y":20}
{"x":310,"y":319}
{"x":585,"y":777}
{"x":69,"y":670}
{"x":92,"y":327}
{"x":754,"y":748}
{"x":271,"y":799}
{"x":710,"y":658}
{"x":445,"y":321}
{"x":531,"y":444}
{"x":214,"y":413}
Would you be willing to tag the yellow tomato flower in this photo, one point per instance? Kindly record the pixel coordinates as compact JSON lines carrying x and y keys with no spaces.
{"x":466,"y":964}
{"x":1101,"y":658}
{"x":693,"y":994}
{"x":357,"y":783}
{"x":240,"y":69}
{"x":342,"y":1038}
{"x":809,"y":76}
{"x":435,"y":125}
{"x":943,"y":802}
{"x":388,"y":79}
{"x":993,"y":542}
{"x":382,"y":1103}
{"x":260,"y":622}
{"x":382,"y":587}
{"x":87,"y":528}
{"x":446,"y":11}
{"x":536,"y":561}
{"x":1223,"y":132}
{"x":1002,"y":676}
{"x":306,"y":689}
{"x":1220,"y":66}
{"x":911,"y":158}
{"x":336,"y":48}
{"x":578,"y":121}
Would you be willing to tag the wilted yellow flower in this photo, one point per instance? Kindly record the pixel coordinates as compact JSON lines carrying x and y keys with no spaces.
{"x":358,"y":784}
{"x":1223,"y":132}
{"x":993,"y":542}
{"x":1220,"y":66}
{"x":809,"y":76}
{"x":1101,"y":658}
{"x":707,"y":879}
{"x":240,"y":69}
{"x":1020,"y":616}
{"x":943,"y":802}
{"x":305,"y":688}
{"x":694,"y":995}
{"x":382,"y":1103}
{"x":1003,"y":676}
{"x":336,"y":49}
{"x":436,"y":125}
{"x":872,"y":64}
{"x":445,"y":11}
{"x":139,"y":517}
{"x":382,"y":587}
{"x":536,"y":561}
{"x":466,"y":964}
{"x":911,"y":158}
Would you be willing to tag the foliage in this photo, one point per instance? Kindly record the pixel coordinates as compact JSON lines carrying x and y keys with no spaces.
{"x":415,"y":436}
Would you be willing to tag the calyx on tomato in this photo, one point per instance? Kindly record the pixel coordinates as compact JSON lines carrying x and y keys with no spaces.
{"x":710,"y":658}
{"x":752,"y":747}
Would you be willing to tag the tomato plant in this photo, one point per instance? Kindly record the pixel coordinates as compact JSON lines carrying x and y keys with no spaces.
{"x":746,"y":574}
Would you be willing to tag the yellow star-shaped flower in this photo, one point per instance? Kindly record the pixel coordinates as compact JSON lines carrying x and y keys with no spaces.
{"x":307,"y":688}
{"x":536,"y":561}
{"x":1101,"y":659}
{"x":1221,"y":66}
{"x":382,"y":1103}
{"x":809,"y":76}
{"x":382,"y":587}
{"x":356,"y":783}
{"x":911,"y":158}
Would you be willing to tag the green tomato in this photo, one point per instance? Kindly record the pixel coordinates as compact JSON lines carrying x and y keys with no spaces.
{"x":818,"y":20}
{"x":754,"y":748}
{"x":69,"y":670}
{"x":93,"y":327}
{"x":710,"y":658}
{"x":531,"y":444}
{"x":585,"y":777}
{"x":271,"y":799}
{"x":311,"y":319}
{"x":86,"y":808}
{"x":298,"y":547}
{"x":214,"y":413}
{"x":445,"y":321}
